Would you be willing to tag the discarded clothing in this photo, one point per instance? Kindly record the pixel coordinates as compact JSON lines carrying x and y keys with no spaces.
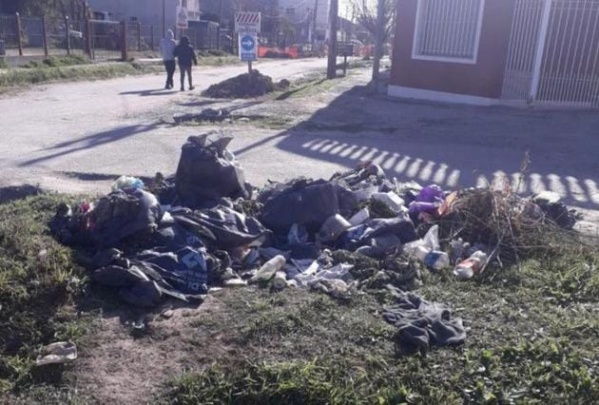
{"x":379,"y":236}
{"x":116,"y":216}
{"x":223,"y":227}
{"x":422,"y":324}
{"x":143,"y":279}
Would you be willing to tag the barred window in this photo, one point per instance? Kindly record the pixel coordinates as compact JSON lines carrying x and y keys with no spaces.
{"x":448,"y":30}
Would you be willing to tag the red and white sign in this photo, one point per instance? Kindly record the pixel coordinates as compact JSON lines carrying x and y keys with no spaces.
{"x":247,"y":22}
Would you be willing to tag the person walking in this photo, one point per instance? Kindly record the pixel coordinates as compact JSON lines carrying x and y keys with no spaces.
{"x":167,"y":48}
{"x":185,"y":56}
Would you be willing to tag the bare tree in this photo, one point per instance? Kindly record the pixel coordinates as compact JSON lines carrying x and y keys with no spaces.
{"x":365,"y":12}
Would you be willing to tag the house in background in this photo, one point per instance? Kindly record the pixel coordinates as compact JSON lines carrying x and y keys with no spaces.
{"x":148,"y":12}
{"x":310,"y":16}
{"x":497,"y":52}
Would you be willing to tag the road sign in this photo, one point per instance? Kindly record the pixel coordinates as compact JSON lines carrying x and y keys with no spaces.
{"x":247,"y":22}
{"x":345,"y":49}
{"x":182,"y":18}
{"x":248,"y":47}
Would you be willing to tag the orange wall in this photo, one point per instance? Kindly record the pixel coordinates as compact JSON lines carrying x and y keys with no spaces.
{"x":484,"y":79}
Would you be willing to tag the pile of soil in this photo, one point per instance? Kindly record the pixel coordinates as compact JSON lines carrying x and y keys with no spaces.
{"x":243,"y":86}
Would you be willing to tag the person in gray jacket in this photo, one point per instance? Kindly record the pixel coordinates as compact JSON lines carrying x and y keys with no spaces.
{"x":167,"y":48}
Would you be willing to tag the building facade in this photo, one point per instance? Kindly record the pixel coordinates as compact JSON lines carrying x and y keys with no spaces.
{"x":497,"y":52}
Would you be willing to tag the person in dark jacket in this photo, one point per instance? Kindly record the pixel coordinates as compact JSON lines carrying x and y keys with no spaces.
{"x":185,"y":56}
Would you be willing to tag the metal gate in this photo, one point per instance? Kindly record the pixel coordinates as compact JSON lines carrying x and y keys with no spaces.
{"x":553,"y":55}
{"x":106,"y":39}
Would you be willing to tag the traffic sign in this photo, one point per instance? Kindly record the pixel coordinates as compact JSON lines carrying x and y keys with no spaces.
{"x":182,"y":18}
{"x":248,"y":49}
{"x":247,"y":22}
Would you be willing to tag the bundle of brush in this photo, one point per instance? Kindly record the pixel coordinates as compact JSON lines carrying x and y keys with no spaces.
{"x":514,"y":227}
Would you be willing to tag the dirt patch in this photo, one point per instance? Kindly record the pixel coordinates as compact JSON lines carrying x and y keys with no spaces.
{"x":119,"y":367}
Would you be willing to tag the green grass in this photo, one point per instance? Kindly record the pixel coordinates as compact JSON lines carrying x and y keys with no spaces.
{"x":18,"y":77}
{"x":524,"y":345}
{"x":39,"y":284}
{"x":75,"y":68}
{"x":223,"y":60}
{"x":58,"y":61}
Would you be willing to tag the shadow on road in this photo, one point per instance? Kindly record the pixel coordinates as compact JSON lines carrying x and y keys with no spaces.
{"x":456,"y":146}
{"x":146,"y":93}
{"x":92,"y":141}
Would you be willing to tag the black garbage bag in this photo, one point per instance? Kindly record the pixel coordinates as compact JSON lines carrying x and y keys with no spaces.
{"x":302,"y":202}
{"x":207,"y":172}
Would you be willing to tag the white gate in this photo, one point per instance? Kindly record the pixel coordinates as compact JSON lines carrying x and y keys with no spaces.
{"x":553,"y":55}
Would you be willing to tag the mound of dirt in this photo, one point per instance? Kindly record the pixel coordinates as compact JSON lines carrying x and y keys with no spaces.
{"x":244,"y":86}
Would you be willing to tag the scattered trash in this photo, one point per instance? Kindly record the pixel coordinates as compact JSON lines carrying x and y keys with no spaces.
{"x":125,"y":182}
{"x":268,"y":270}
{"x":57,"y":353}
{"x":471,"y":266}
{"x":205,"y":228}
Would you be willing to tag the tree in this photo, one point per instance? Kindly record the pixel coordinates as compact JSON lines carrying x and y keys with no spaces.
{"x":365,"y":12}
{"x":55,"y":8}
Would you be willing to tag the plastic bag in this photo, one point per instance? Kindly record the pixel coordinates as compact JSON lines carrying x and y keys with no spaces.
{"x":207,"y":172}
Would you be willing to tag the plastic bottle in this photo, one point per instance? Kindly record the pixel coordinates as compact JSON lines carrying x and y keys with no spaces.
{"x":268,"y":269}
{"x":279,"y":281}
{"x":427,"y":250}
{"x":434,"y":259}
{"x":471,"y":266}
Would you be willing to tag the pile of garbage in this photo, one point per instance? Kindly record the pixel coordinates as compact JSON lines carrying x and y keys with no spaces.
{"x":245,"y":86}
{"x":207,"y":227}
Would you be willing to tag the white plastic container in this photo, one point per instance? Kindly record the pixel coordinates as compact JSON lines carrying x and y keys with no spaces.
{"x":391,"y":200}
{"x":279,"y":281}
{"x":268,"y":269}
{"x":360,"y":217}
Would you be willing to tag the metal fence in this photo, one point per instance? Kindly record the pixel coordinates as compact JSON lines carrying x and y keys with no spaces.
{"x":554,"y":53}
{"x":99,"y":39}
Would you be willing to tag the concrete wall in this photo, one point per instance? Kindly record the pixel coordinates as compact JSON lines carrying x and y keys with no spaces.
{"x":483,"y":79}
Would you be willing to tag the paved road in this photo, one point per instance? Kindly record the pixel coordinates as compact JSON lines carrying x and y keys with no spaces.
{"x":105,"y":126}
{"x":78,"y":137}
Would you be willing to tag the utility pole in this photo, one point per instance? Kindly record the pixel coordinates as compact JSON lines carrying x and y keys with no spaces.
{"x":163,"y":19}
{"x":220,"y":24}
{"x":332,"y":61}
{"x":378,"y":45}
{"x":314,"y":22}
